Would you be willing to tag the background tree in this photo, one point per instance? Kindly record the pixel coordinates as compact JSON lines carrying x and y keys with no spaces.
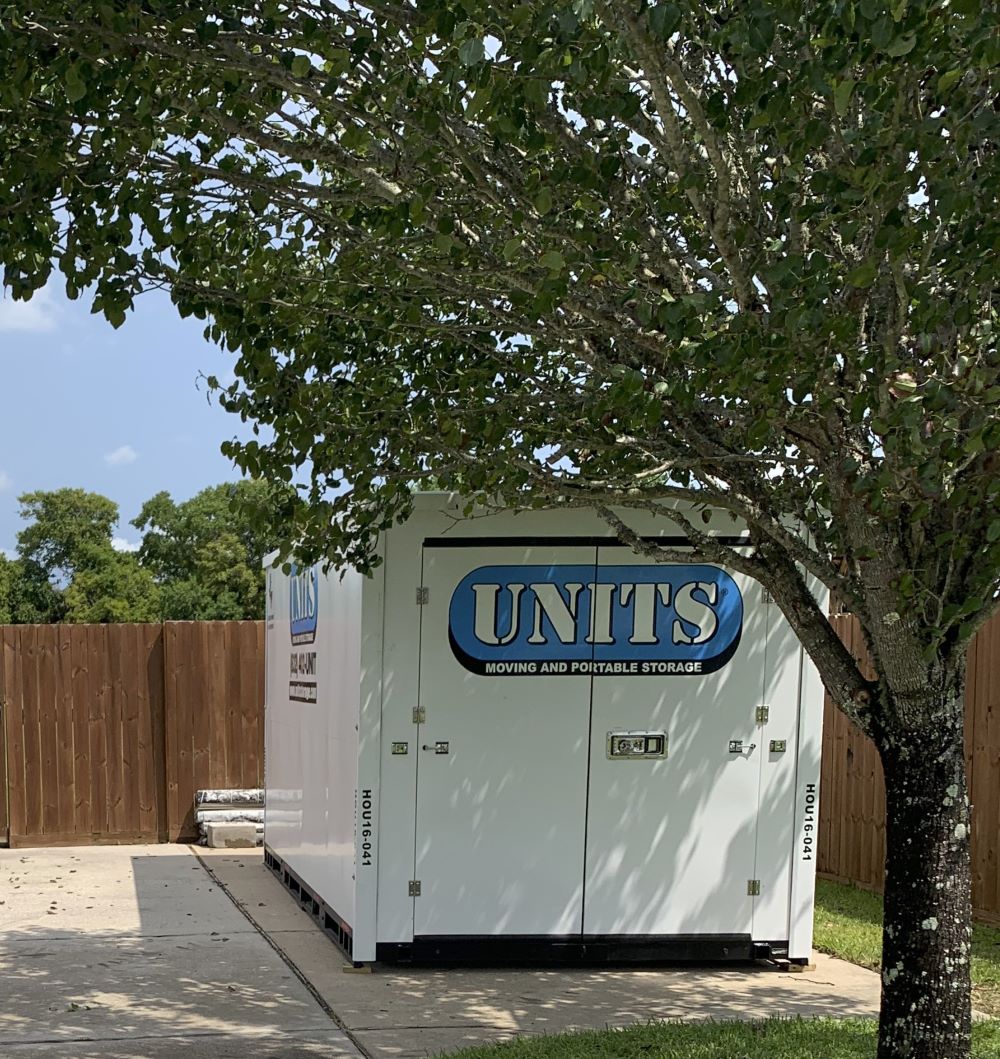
{"x":111,"y":586}
{"x":25,"y":600}
{"x":64,"y":528}
{"x":68,"y":568}
{"x":207,"y":553}
{"x":741,"y":254}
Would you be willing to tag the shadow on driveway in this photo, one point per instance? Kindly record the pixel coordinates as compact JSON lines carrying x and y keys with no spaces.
{"x":136,"y":953}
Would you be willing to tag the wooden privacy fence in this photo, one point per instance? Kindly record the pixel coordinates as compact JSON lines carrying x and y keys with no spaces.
{"x":852,"y":791}
{"x":108,"y":730}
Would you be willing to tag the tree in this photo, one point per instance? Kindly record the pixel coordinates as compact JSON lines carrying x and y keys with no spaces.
{"x":65,"y":527}
{"x":207,"y":553}
{"x":606,"y":253}
{"x":25,"y":599}
{"x":112,"y":587}
{"x":68,"y":569}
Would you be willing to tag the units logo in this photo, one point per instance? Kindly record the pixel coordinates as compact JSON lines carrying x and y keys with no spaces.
{"x":304,"y":604}
{"x":580,"y":619}
{"x":303,"y":610}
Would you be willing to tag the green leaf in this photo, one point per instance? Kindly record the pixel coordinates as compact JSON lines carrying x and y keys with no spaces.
{"x":478,"y":101}
{"x":301,"y":66}
{"x":902,"y":45}
{"x":472,"y":51}
{"x":664,"y":19}
{"x":842,"y":92}
{"x":864,"y":275}
{"x":76,"y":87}
{"x":553,"y":261}
{"x":543,"y":201}
{"x":511,"y":249}
{"x":949,"y":78}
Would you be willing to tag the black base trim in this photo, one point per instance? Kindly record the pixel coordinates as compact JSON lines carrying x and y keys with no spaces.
{"x":336,"y":928}
{"x":490,"y":950}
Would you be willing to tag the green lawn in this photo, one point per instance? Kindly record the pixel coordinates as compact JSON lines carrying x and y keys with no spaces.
{"x":849,"y":925}
{"x":774,"y":1039}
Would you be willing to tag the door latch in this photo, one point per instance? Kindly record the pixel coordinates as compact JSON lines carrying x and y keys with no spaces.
{"x":737,"y":746}
{"x":440,"y":747}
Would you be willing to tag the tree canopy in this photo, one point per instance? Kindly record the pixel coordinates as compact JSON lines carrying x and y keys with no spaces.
{"x":64,"y":527}
{"x":199,"y":560}
{"x":207,"y":553}
{"x":608,"y":253}
{"x":741,"y":254}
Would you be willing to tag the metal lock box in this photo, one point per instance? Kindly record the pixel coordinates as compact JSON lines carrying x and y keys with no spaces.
{"x":634,"y":746}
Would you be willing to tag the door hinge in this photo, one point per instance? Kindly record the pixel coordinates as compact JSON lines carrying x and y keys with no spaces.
{"x":423,"y":595}
{"x":763,"y":714}
{"x":768,"y":598}
{"x":419,"y":715}
{"x":753,"y":887}
{"x":414,"y":888}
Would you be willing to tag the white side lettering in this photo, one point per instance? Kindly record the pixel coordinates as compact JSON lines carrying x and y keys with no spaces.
{"x":643,"y":596}
{"x":486,"y":614}
{"x":695,"y":612}
{"x":600,"y":612}
{"x":549,"y":601}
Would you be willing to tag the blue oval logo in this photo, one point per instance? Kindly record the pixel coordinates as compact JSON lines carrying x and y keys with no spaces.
{"x":574,"y":620}
{"x":303,"y":587}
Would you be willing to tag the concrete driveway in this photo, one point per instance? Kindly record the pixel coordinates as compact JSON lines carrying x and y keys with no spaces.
{"x":140,"y":953}
{"x":133,"y":952}
{"x":395,"y":1013}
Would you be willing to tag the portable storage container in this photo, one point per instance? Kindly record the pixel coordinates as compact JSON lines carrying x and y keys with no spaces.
{"x":521,"y":740}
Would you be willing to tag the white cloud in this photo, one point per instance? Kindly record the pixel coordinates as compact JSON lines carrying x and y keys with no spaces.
{"x":120,"y":544}
{"x":122,"y":455}
{"x":5,"y":482}
{"x":38,"y":314}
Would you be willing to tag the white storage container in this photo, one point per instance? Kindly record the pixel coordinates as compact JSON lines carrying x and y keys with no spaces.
{"x":521,"y":740}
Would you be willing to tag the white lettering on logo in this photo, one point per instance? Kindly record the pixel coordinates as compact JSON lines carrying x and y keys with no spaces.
{"x":486,"y":614}
{"x":549,"y":601}
{"x":601,"y":596}
{"x":644,"y":595}
{"x":695,"y":612}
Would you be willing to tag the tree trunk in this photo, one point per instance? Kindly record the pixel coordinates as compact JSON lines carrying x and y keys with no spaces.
{"x":927,"y":937}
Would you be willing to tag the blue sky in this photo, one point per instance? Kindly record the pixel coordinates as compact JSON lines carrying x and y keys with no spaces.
{"x":116,"y":412}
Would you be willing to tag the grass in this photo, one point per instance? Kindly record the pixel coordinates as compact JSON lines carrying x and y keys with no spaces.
{"x":849,"y":925}
{"x":771,"y":1039}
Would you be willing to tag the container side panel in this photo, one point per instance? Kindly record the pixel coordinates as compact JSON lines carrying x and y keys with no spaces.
{"x":282,"y":772}
{"x":339,"y":676}
{"x":313,"y":690}
{"x":369,"y":764}
{"x":805,"y":850}
{"x":778,"y":739}
{"x":400,"y":674}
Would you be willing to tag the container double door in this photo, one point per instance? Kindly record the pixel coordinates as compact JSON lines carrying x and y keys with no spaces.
{"x":527,"y":821}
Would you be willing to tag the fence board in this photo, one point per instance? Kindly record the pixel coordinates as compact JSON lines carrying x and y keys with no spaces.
{"x":78,"y":688}
{"x":852,"y":795}
{"x":33,"y":750}
{"x":14,"y":730}
{"x":105,"y":724}
{"x":63,"y":710}
{"x":4,"y":833}
{"x":180,"y":722}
